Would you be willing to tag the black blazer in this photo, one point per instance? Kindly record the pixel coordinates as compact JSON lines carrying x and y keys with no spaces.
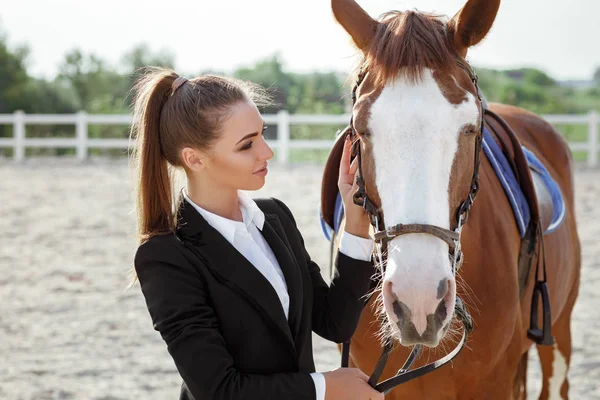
{"x":221,"y":319}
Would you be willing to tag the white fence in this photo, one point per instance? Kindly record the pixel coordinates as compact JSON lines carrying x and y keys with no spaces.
{"x":283,"y":120}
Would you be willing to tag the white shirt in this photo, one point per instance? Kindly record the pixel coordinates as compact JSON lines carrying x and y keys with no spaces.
{"x":247,"y":239}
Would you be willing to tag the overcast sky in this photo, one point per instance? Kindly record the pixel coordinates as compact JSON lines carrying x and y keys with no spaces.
{"x":559,"y":36}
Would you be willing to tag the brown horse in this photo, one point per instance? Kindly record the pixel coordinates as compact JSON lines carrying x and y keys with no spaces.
{"x":417,"y":116}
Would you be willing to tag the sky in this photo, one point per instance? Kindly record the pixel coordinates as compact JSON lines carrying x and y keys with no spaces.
{"x":561,"y":37}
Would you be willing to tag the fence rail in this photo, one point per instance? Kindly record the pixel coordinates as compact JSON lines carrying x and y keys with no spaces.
{"x":283,"y":144}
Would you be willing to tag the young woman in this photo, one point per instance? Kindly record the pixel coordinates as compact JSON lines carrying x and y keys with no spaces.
{"x":226,"y":279}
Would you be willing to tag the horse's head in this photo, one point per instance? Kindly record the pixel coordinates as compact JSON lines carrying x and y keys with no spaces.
{"x":418,"y":117}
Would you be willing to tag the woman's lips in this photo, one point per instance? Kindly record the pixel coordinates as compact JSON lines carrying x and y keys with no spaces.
{"x":262,"y":172}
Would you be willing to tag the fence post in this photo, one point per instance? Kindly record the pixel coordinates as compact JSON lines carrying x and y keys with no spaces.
{"x":19,"y":136}
{"x":81,"y":132}
{"x":593,"y":139}
{"x":283,"y":136}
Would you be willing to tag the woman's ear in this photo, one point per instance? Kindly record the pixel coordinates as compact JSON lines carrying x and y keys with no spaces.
{"x":193,"y":159}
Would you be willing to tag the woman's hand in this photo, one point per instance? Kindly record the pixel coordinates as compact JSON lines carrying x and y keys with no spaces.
{"x":357,"y":220}
{"x":349,"y":384}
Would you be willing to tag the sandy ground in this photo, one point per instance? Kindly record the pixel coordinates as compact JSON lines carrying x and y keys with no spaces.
{"x":70,"y":330}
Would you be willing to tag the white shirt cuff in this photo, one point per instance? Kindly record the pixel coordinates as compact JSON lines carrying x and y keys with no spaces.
{"x":320,"y":385}
{"x":356,"y":247}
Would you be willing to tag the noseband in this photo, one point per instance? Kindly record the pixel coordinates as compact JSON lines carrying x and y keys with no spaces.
{"x":384,"y":235}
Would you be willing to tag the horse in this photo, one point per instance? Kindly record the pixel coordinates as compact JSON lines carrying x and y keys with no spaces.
{"x":418,"y":123}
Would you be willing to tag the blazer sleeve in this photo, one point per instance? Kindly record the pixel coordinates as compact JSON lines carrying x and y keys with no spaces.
{"x":337,"y":307}
{"x":180,"y":309}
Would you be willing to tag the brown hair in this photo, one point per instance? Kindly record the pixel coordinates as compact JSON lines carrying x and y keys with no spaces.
{"x":407,"y":42}
{"x":171,"y":113}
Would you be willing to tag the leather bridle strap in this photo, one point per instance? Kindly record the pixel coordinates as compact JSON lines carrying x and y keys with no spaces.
{"x":404,"y":376}
{"x":448,"y":236}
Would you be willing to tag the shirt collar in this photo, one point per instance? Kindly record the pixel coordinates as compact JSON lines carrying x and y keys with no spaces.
{"x":251,"y":213}
{"x":251,"y":210}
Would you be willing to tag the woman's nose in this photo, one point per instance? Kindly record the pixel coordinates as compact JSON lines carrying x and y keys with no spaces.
{"x":267,"y":153}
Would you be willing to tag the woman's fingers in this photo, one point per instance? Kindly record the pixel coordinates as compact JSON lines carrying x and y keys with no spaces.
{"x":348,"y":167}
{"x":345,"y":161}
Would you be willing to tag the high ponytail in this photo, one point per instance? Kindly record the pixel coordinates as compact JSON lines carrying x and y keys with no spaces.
{"x":169,"y":114}
{"x":154,"y":190}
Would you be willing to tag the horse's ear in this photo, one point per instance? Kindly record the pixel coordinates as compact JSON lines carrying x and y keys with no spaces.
{"x":356,"y":21}
{"x":473,"y":22}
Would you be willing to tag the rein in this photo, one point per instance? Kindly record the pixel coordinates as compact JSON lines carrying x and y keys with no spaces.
{"x":384,"y":235}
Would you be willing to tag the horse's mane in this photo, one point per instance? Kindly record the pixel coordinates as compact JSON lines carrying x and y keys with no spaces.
{"x":406,"y":43}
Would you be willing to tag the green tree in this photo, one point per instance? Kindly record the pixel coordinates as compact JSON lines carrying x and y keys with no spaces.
{"x":139,"y":57}
{"x":97,"y":87}
{"x":269,"y":73}
{"x":13,"y":76}
{"x":536,"y":77}
{"x":597,"y":76}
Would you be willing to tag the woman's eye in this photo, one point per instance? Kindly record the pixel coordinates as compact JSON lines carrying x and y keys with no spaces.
{"x":247,"y":146}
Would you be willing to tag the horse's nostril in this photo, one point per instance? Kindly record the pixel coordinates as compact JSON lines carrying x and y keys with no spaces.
{"x":417,"y":313}
{"x":401,"y":311}
{"x":443,"y":288}
{"x":440,"y":314}
{"x":398,"y":310}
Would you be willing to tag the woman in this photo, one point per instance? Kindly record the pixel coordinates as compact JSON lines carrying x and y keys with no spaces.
{"x":227,"y":281}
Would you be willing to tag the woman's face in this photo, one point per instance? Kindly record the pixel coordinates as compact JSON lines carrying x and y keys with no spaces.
{"x":238,"y":159}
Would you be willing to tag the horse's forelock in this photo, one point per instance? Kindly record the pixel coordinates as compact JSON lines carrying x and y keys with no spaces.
{"x":406,"y":43}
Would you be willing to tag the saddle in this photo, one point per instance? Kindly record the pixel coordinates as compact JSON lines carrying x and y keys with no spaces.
{"x":543,"y":197}
{"x":331,"y":212}
{"x":530,"y":177}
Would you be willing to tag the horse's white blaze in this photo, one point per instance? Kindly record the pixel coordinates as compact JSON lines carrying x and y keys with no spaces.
{"x":415,"y":132}
{"x":559,"y":374}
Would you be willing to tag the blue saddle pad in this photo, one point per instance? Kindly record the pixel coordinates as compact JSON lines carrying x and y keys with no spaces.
{"x":338,"y":214}
{"x":509,"y":182}
{"x":513,"y":191}
{"x":558,"y":202}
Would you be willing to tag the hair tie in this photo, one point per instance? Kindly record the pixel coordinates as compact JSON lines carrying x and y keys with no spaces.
{"x":180,"y":80}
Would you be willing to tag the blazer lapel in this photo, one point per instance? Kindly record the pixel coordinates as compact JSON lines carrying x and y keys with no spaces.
{"x":232,"y":268}
{"x":275,"y":236}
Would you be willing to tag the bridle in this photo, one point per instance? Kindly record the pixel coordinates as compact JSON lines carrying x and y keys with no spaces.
{"x":384,"y":235}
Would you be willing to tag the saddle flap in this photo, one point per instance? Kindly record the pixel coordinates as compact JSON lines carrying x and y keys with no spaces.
{"x":550,"y":199}
{"x":544,"y":200}
{"x":511,"y":145}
